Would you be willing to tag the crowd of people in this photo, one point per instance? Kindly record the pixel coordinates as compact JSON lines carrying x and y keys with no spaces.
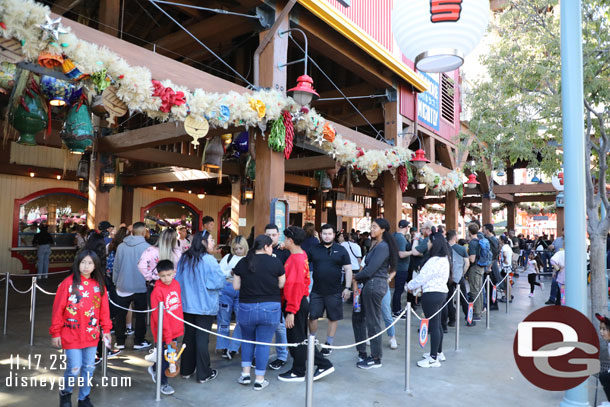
{"x":277,"y":291}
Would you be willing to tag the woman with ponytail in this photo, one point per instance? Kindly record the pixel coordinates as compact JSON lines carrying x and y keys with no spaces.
{"x":382,"y":257}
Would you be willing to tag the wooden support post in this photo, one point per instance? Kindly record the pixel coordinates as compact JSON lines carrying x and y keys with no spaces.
{"x":429,"y":148}
{"x":321,"y":214}
{"x":560,"y":221}
{"x":486,"y":215}
{"x":392,"y":194}
{"x":451,"y":211}
{"x":109,"y":15}
{"x":127,"y":206}
{"x":414,"y":215}
{"x":98,"y":208}
{"x":270,"y":165}
{"x":511,"y":213}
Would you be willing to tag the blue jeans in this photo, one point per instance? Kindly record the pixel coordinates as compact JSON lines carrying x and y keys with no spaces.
{"x":555,"y":291}
{"x":80,"y":363}
{"x":229,"y":303}
{"x":386,"y":312}
{"x":44,"y":253}
{"x":258,"y":323}
{"x":281,"y":352}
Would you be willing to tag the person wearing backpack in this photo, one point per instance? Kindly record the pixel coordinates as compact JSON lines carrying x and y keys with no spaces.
{"x":460,"y":263}
{"x":494,"y":244}
{"x":479,"y":254}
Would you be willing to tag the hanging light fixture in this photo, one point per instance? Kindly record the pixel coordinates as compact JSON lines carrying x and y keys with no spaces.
{"x":437,"y":34}
{"x":58,"y":177}
{"x":190,"y":192}
{"x":419,"y":160}
{"x":201,"y":195}
{"x":248,"y":194}
{"x":328,"y":203}
{"x":108,"y":179}
{"x":325,"y":183}
{"x":500,"y":172}
{"x":213,"y":153}
{"x":171,"y":190}
{"x":154,"y":188}
{"x":82,"y":171}
{"x":304,"y":92}
{"x":472,"y":181}
{"x":535,"y":179}
{"x":32,"y":175}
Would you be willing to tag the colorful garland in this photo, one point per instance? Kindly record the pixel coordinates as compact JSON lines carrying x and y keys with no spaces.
{"x":164,"y":100}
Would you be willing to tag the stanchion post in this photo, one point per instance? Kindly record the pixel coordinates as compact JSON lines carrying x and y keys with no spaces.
{"x":104,"y":355}
{"x":311,"y":348}
{"x":408,"y":350}
{"x":457,"y":318}
{"x":488,"y":283}
{"x":32,"y":310}
{"x":159,"y":351}
{"x":8,"y":279}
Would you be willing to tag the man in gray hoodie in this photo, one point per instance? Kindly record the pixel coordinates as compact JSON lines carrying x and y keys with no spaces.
{"x":131,"y":286}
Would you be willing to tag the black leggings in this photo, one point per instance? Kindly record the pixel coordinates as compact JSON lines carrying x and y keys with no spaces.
{"x":604,"y":379}
{"x":432,"y":302}
{"x":531,"y":278}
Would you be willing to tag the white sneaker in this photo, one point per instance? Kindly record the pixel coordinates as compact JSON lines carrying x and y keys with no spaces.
{"x":604,"y":404}
{"x":439,"y":356}
{"x":393,"y":343}
{"x":429,"y":363}
{"x":152,"y":355}
{"x":542,"y":288}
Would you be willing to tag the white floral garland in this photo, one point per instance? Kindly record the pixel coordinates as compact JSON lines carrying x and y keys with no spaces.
{"x":22,"y":18}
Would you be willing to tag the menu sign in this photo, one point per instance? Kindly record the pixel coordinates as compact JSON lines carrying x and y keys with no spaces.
{"x":350,"y":208}
{"x":296,"y":203}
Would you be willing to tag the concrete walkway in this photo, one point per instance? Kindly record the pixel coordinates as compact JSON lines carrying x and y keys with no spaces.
{"x":481,"y":373}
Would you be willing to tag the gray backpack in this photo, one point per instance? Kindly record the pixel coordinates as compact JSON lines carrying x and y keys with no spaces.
{"x":458,"y":267}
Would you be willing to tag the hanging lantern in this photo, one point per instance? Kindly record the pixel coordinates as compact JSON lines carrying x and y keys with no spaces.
{"x":325,"y":183}
{"x":438,"y":34}
{"x":108,"y":179}
{"x":535,"y":180}
{"x":304,"y":92}
{"x":58,"y":92}
{"x":77,"y":132}
{"x":227,"y":138}
{"x":82,"y":171}
{"x":419,"y":160}
{"x":213,"y":153}
{"x":500,"y":173}
{"x":29,"y":118}
{"x":328,"y":203}
{"x":196,"y":127}
{"x":472,"y":181}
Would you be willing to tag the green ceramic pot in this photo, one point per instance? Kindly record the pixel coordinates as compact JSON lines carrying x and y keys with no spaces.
{"x":29,"y":121}
{"x":77,"y":133}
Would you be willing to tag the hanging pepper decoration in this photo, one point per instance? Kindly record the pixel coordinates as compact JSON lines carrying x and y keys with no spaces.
{"x":288,"y":125}
{"x":403,"y":178}
{"x":277,"y":137}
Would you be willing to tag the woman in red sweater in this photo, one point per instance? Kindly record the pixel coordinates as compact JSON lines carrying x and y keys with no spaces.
{"x":80,"y":309}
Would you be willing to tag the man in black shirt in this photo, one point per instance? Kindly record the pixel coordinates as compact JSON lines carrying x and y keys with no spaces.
{"x":43,"y":241}
{"x":281,"y":352}
{"x":329,"y":260}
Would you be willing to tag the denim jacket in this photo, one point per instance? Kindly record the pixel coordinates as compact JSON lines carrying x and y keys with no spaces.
{"x":201,"y":284}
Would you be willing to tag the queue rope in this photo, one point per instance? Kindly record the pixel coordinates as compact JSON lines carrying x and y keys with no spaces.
{"x":19,"y":291}
{"x":439,"y":310}
{"x":37,"y":275}
{"x":130,"y":309}
{"x":45,"y":292}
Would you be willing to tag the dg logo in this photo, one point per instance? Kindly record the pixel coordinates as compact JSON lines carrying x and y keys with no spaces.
{"x":556,"y":348}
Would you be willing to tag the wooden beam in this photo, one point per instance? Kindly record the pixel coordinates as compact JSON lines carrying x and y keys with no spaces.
{"x":41,"y":172}
{"x":353,"y":119}
{"x":167,"y":177}
{"x":161,"y":67}
{"x":109,"y":14}
{"x":309,"y":163}
{"x":154,"y":155}
{"x":409,"y":200}
{"x":505,"y":197}
{"x":535,"y":198}
{"x":524,"y":189}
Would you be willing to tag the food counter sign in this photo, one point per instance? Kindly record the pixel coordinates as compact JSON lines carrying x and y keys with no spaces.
{"x":428,"y":102}
{"x":279,"y":215}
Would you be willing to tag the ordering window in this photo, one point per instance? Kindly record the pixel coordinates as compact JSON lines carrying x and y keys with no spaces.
{"x":170,"y":214}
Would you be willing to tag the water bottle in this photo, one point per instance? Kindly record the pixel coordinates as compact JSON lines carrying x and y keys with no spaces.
{"x":357,"y":305}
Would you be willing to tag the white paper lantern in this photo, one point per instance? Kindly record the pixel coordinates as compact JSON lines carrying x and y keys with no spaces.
{"x":438,"y":34}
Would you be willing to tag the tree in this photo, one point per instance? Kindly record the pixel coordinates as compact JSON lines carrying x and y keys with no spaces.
{"x":516,"y":111}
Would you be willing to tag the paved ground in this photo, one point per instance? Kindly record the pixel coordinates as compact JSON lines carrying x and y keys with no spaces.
{"x":481,"y":373}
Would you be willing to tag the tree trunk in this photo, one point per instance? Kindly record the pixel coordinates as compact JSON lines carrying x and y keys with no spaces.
{"x":599,"y":282}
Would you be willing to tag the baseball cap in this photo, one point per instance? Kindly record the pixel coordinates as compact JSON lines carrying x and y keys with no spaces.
{"x":403,"y":224}
{"x":428,"y":224}
{"x":104,"y":225}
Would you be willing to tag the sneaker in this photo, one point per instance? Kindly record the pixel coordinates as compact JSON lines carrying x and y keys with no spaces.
{"x":226,"y":354}
{"x":451,"y":324}
{"x":129,"y":332}
{"x":369,"y":363}
{"x":395,"y":314}
{"x":142,"y":345}
{"x":326,"y":351}
{"x":531,"y":295}
{"x":211,"y":377}
{"x":441,"y":356}
{"x":188,"y":376}
{"x":429,"y":362}
{"x":320,"y":373}
{"x":549,"y":302}
{"x":113,"y":352}
{"x":290,"y":376}
{"x":253,"y":365}
{"x":244,"y":379}
{"x":86,"y":402}
{"x":167,"y":390}
{"x":476,"y":318}
{"x":152,"y":355}
{"x":541,"y":285}
{"x":97,"y":360}
{"x":277,"y":364}
{"x":445,"y":330}
{"x":471,"y":323}
{"x":393,"y":343}
{"x":362,"y":356}
{"x":65,"y":399}
{"x":152,"y":374}
{"x":258,"y":386}
{"x":119,"y":345}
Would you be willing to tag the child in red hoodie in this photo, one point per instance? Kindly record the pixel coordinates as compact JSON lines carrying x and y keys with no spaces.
{"x":296,"y":309}
{"x":167,"y":290}
{"x":80,"y":308}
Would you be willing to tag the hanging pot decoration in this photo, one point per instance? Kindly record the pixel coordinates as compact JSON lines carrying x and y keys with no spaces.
{"x":226,"y":138}
{"x":57,"y":92}
{"x":114,"y":106}
{"x":196,"y":127}
{"x":7,"y":76}
{"x":50,"y":60}
{"x":97,"y":106}
{"x":437,"y":34}
{"x":212,"y":157}
{"x":240,"y":143}
{"x":277,"y":136}
{"x":329,"y":132}
{"x":29,"y":118}
{"x":71,"y":71}
{"x":77,"y":132}
{"x":289,"y":126}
